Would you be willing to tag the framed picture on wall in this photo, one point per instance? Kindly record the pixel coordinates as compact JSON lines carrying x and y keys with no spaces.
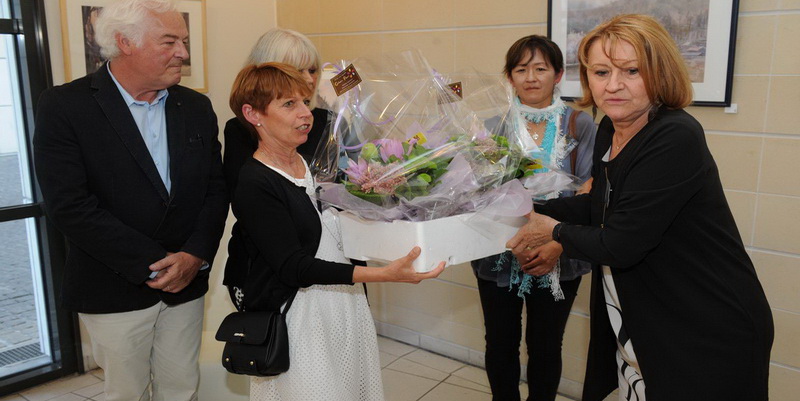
{"x":705,"y":31}
{"x":82,"y":54}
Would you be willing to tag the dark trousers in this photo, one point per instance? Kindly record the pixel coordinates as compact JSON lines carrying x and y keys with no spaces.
{"x":502,"y":314}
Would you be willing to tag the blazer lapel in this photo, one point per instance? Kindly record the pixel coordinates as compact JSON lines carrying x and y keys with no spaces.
{"x":176,"y":135}
{"x":119,"y":116}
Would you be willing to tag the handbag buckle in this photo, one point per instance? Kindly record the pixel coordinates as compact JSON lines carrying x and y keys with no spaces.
{"x":238,"y":334}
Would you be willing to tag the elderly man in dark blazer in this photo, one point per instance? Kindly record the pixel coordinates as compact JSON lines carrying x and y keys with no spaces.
{"x":130,"y":170}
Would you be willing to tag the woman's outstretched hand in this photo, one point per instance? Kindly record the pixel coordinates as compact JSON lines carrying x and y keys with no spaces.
{"x":401,"y":270}
{"x":398,"y":271}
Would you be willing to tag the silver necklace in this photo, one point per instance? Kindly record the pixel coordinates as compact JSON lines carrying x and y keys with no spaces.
{"x":291,"y":169}
{"x":534,"y":134}
{"x":621,"y":144}
{"x":333,"y":233}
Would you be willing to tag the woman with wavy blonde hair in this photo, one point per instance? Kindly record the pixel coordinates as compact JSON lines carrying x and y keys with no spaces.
{"x":677,"y":311}
{"x":663,"y":70}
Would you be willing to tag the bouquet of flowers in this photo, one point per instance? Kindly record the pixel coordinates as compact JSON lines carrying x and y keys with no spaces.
{"x":408,"y":143}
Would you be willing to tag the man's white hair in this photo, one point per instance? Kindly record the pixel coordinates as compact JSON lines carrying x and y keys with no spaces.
{"x":129,"y":18}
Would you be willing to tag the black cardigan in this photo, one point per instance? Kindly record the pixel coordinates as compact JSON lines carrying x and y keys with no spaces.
{"x":239,"y":147}
{"x":692,"y":305}
{"x":280,"y":232}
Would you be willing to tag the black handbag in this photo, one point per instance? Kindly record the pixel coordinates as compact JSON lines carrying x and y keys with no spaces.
{"x":256,"y":343}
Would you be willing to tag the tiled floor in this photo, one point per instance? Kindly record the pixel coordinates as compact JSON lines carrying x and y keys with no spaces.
{"x":409,"y":374}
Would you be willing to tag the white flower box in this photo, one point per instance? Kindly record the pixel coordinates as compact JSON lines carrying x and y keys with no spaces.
{"x":455,"y":239}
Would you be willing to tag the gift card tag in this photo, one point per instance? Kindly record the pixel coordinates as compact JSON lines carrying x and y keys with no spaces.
{"x":457,"y":89}
{"x":536,"y":164}
{"x":420,"y":137}
{"x":345,"y":80}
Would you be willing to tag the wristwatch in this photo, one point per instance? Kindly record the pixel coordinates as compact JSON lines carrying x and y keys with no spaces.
{"x":557,"y":232}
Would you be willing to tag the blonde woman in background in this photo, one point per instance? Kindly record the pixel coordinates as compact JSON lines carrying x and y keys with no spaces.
{"x":282,"y":46}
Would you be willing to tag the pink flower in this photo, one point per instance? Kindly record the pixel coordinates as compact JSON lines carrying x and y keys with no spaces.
{"x":382,"y":179}
{"x":389,"y":148}
{"x":357,"y":172}
{"x":374,"y":177}
{"x":482,"y":134}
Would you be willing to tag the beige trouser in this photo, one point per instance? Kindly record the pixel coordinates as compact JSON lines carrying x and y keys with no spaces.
{"x":158,"y":345}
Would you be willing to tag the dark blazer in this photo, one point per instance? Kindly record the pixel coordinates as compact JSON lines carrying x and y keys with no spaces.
{"x":692,"y":304}
{"x":102,"y":190}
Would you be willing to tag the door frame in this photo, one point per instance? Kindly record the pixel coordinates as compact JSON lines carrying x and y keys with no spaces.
{"x":28,"y":24}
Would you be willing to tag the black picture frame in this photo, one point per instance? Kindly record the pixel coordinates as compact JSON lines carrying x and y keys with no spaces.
{"x":709,"y":48}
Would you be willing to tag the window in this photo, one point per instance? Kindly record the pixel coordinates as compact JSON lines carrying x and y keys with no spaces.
{"x":36,"y":336}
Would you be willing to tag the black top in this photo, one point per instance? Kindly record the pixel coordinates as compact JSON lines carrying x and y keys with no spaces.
{"x":280,"y":232}
{"x":692,"y":305}
{"x":239,"y":147}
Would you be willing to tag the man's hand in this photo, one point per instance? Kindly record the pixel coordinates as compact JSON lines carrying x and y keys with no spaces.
{"x":543,"y":259}
{"x":537,"y":232}
{"x":175,"y":272}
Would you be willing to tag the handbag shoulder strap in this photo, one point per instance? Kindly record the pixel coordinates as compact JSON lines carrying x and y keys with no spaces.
{"x":289,"y":303}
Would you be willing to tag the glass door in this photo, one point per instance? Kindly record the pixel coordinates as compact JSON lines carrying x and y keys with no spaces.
{"x":36,"y":337}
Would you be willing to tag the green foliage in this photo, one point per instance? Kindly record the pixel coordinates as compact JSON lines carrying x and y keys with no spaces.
{"x":370,"y":152}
